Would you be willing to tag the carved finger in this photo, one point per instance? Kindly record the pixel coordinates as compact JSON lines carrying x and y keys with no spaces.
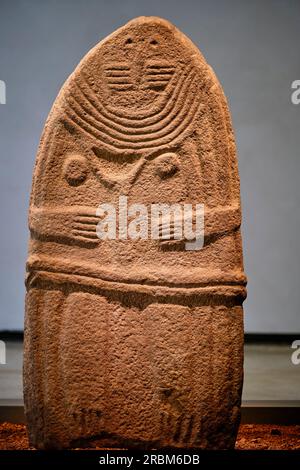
{"x":85,"y":227}
{"x":85,"y":234}
{"x":87,"y":220}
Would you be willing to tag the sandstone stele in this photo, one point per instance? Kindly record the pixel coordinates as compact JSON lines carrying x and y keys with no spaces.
{"x":135,"y":342}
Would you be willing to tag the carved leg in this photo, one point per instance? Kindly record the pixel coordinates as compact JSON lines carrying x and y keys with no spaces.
{"x":165,"y":375}
{"x":196,"y":358}
{"x":43,"y":393}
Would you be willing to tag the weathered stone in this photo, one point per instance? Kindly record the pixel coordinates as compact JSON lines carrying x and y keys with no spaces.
{"x":135,"y":342}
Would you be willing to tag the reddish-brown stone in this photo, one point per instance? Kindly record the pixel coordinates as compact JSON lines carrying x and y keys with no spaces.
{"x":135,"y":342}
{"x":250,"y":437}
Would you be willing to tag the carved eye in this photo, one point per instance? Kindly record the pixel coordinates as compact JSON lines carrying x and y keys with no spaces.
{"x":167,"y":165}
{"x":75,"y":170}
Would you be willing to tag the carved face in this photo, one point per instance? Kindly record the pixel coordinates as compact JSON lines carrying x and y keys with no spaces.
{"x":138,"y":97}
{"x":136,"y":93}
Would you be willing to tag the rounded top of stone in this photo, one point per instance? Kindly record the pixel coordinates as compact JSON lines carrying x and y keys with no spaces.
{"x":151,"y":25}
{"x":141,"y":20}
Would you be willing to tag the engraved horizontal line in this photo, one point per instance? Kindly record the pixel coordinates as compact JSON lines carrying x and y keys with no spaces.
{"x":91,"y":214}
{"x":161,"y":278}
{"x":86,"y":234}
{"x":157,"y":76}
{"x":86,"y":227}
{"x":120,"y":83}
{"x":158,"y":72}
{"x":160,"y":67}
{"x":119,"y":80}
{"x":156,"y":83}
{"x":117,"y":72}
{"x":158,"y":79}
{"x":120,"y":89}
{"x":219,"y":295}
{"x":117,"y":67}
{"x":115,"y":88}
{"x":116,"y":75}
{"x":91,"y":222}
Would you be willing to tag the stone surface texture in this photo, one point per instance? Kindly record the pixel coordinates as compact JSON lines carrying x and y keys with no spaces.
{"x":135,"y":342}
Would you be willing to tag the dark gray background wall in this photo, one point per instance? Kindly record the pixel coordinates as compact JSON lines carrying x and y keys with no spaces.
{"x":253,"y":47}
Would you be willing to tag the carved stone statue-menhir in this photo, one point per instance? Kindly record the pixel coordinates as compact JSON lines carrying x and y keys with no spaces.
{"x":135,"y":342}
